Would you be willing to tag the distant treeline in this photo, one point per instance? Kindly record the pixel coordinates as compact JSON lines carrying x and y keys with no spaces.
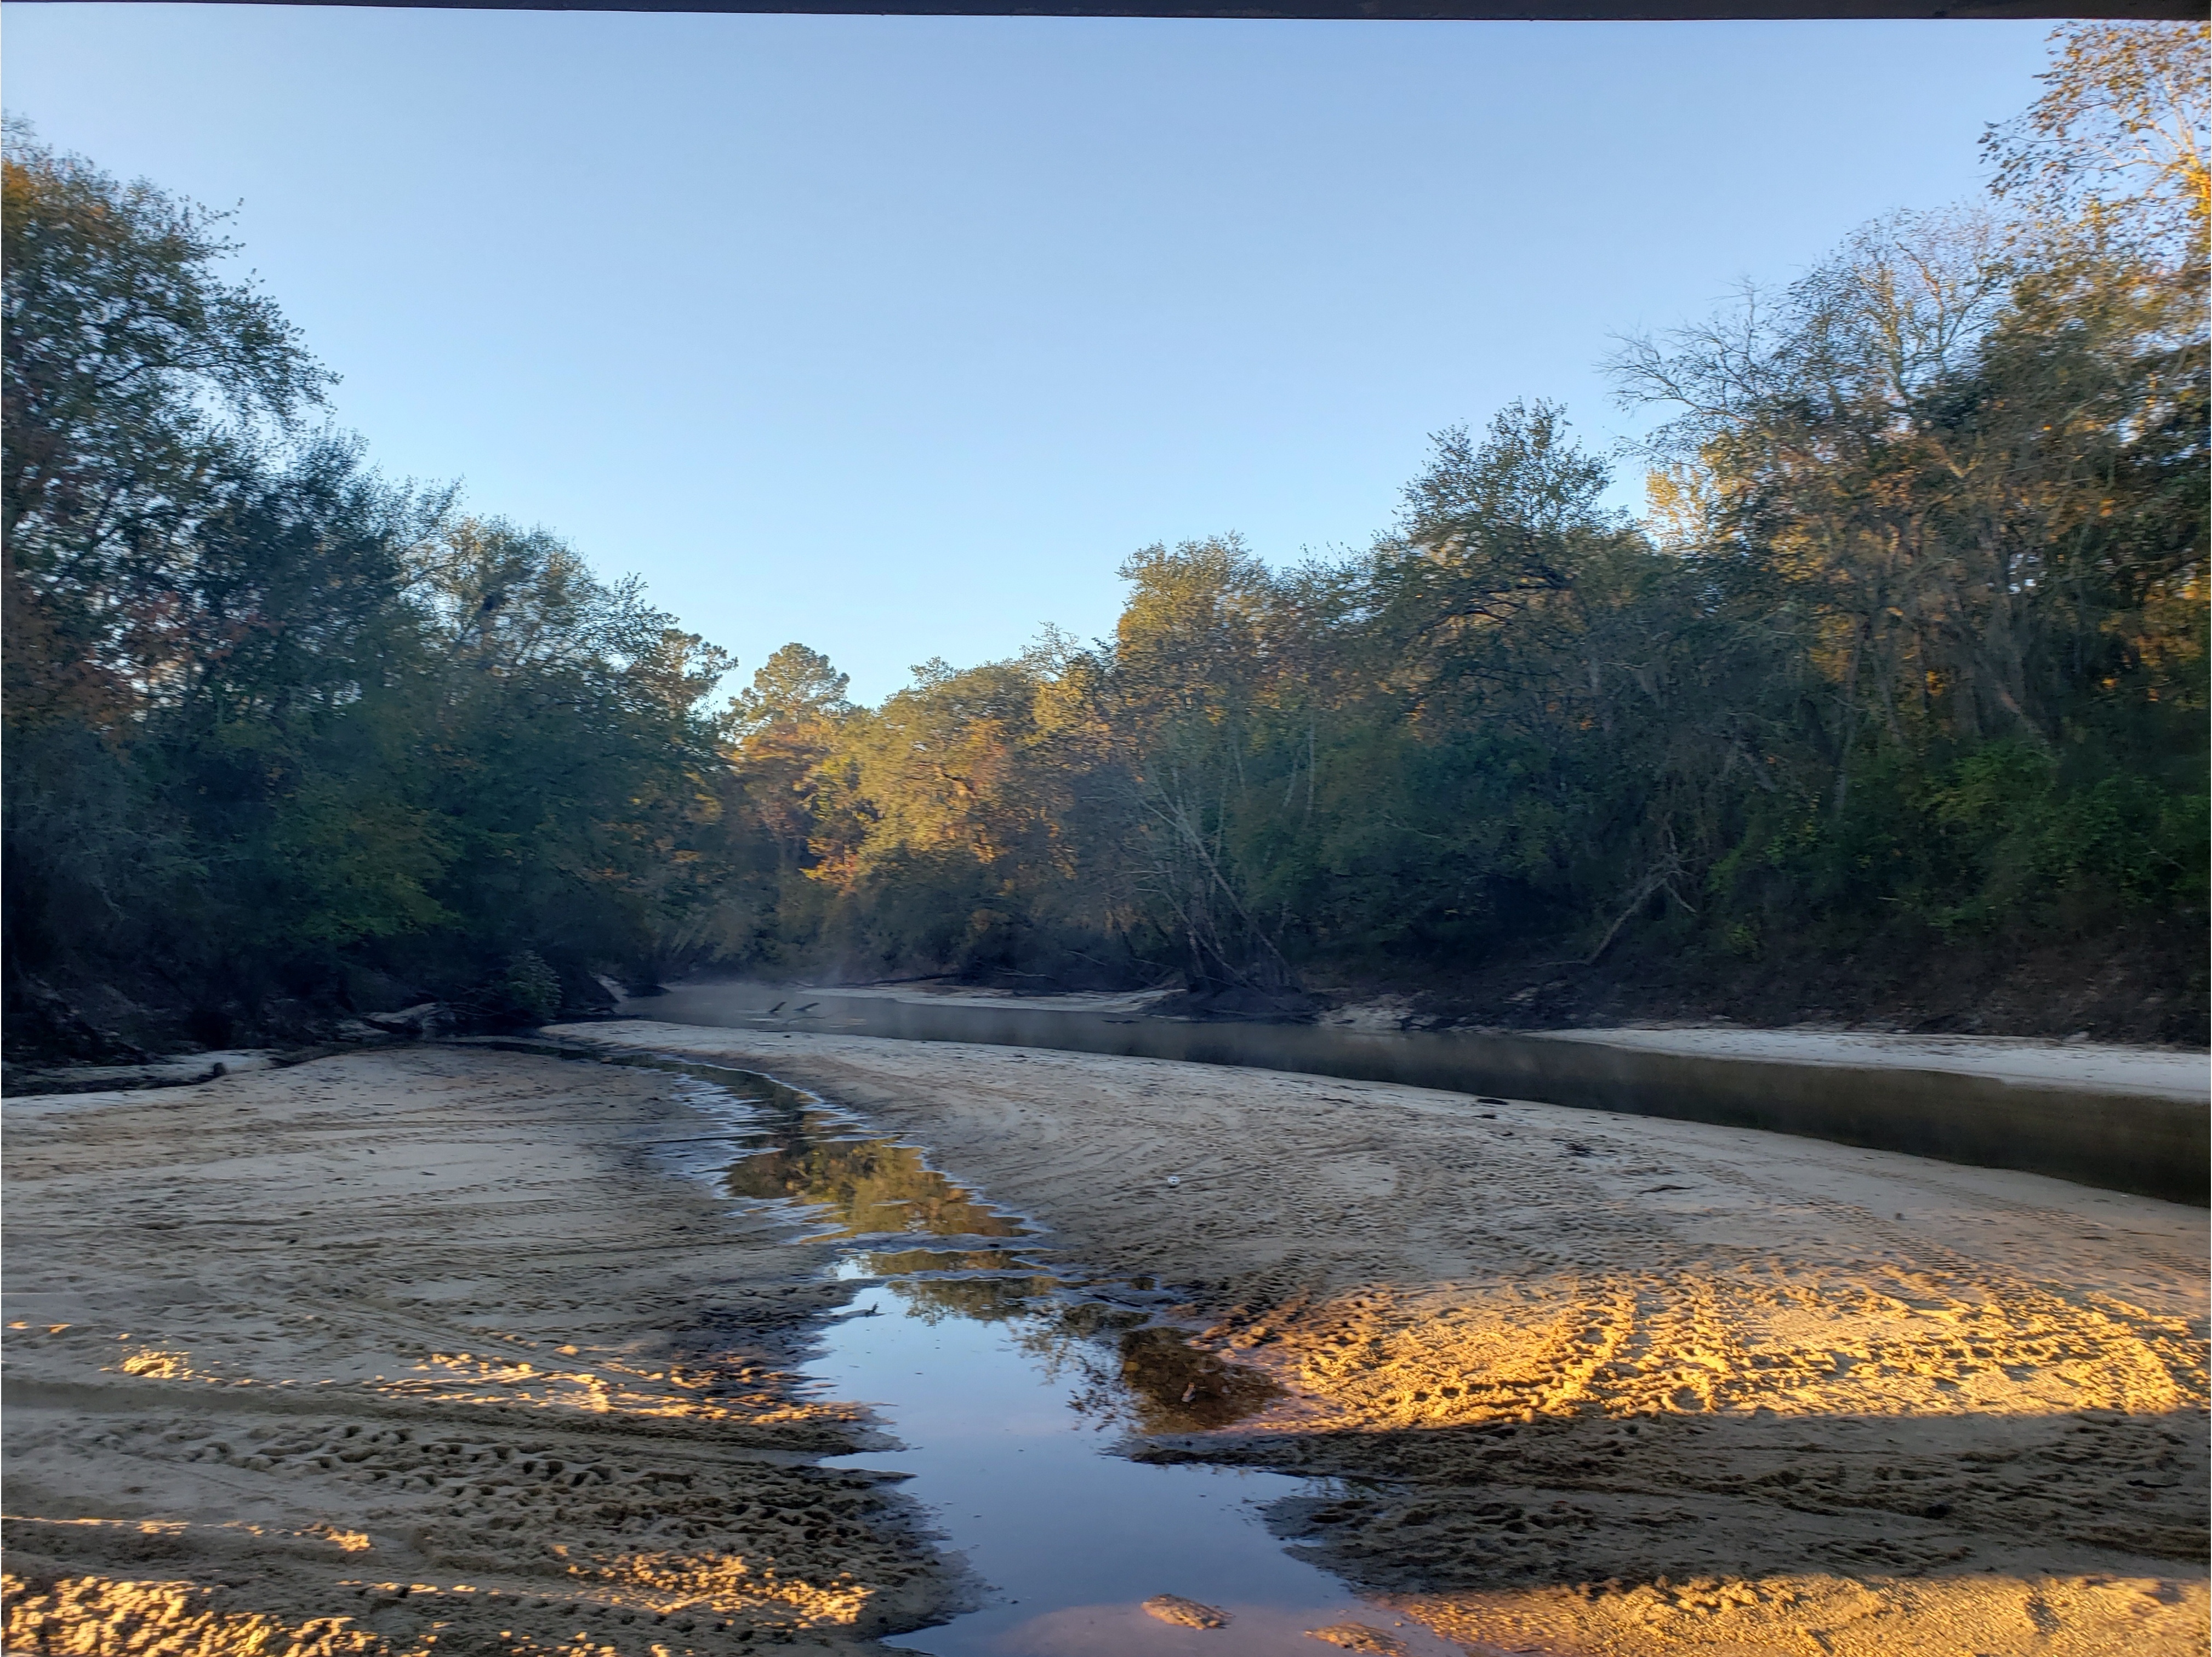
{"x":1910,"y":647}
{"x":1907,"y":655}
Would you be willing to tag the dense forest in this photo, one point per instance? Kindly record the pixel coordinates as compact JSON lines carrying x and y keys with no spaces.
{"x":1891,"y":707}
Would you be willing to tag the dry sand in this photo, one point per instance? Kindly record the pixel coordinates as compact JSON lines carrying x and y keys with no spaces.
{"x":413,"y":1351}
{"x":2024,"y":1061}
{"x":421,"y":1343}
{"x":1629,"y":1385}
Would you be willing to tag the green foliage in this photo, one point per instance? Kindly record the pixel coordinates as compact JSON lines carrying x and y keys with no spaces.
{"x":1912,"y":645}
{"x":272,"y":721}
{"x":530,"y":986}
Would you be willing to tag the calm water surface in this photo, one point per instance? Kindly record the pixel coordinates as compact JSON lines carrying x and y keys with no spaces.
{"x":1009,"y":1375}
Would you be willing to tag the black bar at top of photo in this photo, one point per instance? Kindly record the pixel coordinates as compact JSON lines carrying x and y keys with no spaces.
{"x":1652,"y":12}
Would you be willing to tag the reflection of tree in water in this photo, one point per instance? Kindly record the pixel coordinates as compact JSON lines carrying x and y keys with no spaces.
{"x":1181,"y":1389}
{"x":866,"y":1184}
{"x":987,"y":1300}
{"x":1127,"y":1373}
{"x":1149,"y":1378}
{"x":898,"y":1262}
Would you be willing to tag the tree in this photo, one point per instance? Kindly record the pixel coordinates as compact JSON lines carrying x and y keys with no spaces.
{"x":2119,"y":136}
{"x":273,"y":722}
{"x":136,"y":387}
{"x":785,"y":726}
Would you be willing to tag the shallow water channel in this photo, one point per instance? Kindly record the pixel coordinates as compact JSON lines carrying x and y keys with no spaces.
{"x":1010,"y":1375}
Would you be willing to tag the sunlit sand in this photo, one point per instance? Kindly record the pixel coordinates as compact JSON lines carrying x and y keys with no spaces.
{"x":436,"y":1343}
{"x":1641,"y":1381}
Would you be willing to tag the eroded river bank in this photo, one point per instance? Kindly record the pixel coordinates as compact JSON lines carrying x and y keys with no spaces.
{"x":472,"y":1344}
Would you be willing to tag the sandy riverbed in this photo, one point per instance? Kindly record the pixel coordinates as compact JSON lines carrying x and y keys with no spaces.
{"x":426,"y":1319}
{"x":1631,"y":1383}
{"x":412,"y":1350}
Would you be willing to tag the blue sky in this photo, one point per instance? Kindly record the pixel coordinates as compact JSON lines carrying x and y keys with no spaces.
{"x":895,"y":335}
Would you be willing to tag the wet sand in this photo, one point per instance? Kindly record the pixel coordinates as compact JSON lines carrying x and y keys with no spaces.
{"x":419,"y":1350}
{"x":1622,"y":1384}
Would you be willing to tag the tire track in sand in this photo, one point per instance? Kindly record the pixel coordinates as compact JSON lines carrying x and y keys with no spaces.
{"x":1614,"y":1383}
{"x":415,"y":1349}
